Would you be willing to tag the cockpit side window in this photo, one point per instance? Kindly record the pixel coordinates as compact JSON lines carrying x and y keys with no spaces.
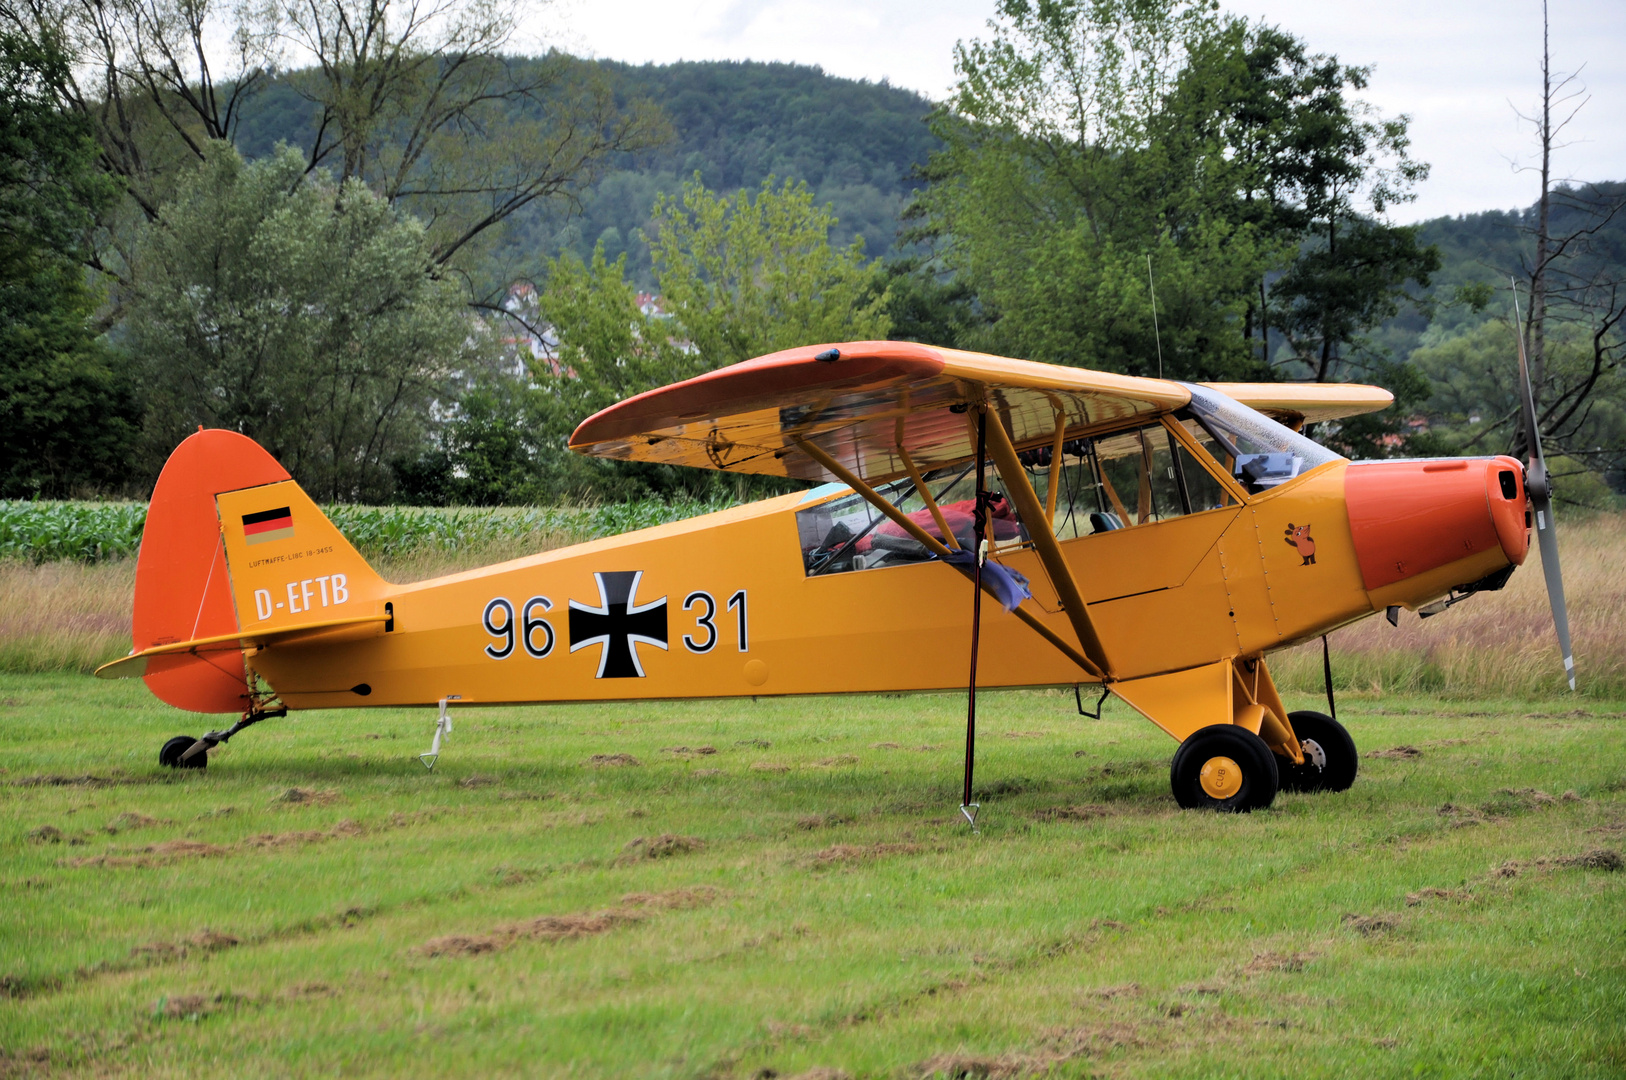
{"x":1119,"y":480}
{"x":1138,"y":476}
{"x":1205,"y":490}
{"x":1125,"y":479}
{"x":847,"y":533}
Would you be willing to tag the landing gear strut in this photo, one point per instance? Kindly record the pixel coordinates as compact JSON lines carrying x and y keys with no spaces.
{"x":170,"y":755}
{"x":185,"y":752}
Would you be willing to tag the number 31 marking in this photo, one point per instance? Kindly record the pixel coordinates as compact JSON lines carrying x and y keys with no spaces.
{"x":706,"y":621}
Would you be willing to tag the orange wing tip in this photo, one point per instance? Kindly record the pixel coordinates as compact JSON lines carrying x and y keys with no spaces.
{"x":135,"y":665}
{"x":1309,"y":403}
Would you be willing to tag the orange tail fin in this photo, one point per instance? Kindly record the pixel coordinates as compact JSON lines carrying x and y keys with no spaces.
{"x":183,"y":589}
{"x":224,"y":521}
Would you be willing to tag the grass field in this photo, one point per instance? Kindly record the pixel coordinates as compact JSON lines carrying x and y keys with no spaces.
{"x":783,"y":887}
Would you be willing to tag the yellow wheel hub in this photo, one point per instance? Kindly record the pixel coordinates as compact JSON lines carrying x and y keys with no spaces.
{"x":1221,"y":777}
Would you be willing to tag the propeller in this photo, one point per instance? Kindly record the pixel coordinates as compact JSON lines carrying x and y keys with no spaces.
{"x":1538,"y":486}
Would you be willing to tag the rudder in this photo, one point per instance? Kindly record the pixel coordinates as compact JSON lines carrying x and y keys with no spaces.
{"x":232,"y":543}
{"x":183,"y":588}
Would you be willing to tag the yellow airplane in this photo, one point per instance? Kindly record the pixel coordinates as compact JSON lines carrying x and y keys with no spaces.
{"x":1154,"y":538}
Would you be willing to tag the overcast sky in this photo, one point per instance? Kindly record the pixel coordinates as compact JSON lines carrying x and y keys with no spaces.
{"x":1453,"y":65}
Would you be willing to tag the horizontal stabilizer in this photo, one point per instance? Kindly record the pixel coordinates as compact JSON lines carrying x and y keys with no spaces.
{"x":135,"y":665}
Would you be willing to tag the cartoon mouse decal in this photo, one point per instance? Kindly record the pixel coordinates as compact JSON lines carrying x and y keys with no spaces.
{"x":1299,"y":537}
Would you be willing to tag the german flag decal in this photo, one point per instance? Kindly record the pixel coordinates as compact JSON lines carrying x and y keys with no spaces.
{"x":268,"y":525}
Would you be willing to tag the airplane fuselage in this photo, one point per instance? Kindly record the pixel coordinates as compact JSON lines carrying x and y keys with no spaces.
{"x":723,"y":605}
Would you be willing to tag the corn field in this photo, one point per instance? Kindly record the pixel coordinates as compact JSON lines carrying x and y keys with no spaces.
{"x":88,"y":532}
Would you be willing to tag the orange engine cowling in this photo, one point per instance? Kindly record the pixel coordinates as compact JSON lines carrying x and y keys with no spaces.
{"x":1410,"y":517}
{"x":182,"y":588}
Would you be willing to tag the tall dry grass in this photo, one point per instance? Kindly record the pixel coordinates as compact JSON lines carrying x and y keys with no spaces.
{"x":68,"y":616}
{"x":1498,"y":644}
{"x":75,"y":616}
{"x":64,"y":616}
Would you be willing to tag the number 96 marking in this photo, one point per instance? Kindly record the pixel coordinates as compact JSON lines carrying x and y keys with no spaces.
{"x":498,"y":621}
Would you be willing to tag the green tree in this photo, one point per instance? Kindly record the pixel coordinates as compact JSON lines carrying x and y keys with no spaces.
{"x":1063,"y":172}
{"x":742,"y":276}
{"x":928,"y":304}
{"x":1087,"y":138}
{"x":487,"y":453}
{"x":421,"y":101}
{"x":608,"y":350}
{"x":507,"y":440}
{"x":67,"y":417}
{"x":1313,"y":169}
{"x":746,"y":274}
{"x":302,"y":312}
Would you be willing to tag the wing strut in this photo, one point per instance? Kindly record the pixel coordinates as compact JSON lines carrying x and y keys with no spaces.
{"x":936,"y":546}
{"x":925,"y":492}
{"x":1033,"y":516}
{"x":1055,"y":462}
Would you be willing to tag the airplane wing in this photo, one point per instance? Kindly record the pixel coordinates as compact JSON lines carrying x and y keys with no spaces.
{"x":858,"y":405}
{"x":1297,"y":404}
{"x":858,"y":402}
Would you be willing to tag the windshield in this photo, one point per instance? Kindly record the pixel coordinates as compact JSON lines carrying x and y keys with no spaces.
{"x":1256,"y":449}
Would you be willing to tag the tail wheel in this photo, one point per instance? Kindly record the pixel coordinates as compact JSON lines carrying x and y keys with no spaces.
{"x":1224,"y":767}
{"x":1330,"y":759}
{"x":170,"y":755}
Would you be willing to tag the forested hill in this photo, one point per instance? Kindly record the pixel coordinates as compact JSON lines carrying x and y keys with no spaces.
{"x":856,"y":144}
{"x":1489,"y":246}
{"x":735,"y":123}
{"x":1473,"y":245}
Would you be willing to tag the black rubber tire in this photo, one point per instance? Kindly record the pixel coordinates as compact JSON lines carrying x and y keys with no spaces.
{"x":1334,"y":742}
{"x":1253,"y":757}
{"x":170,"y":755}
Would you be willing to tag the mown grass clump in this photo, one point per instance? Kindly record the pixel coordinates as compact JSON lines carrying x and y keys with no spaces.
{"x":315,"y":902}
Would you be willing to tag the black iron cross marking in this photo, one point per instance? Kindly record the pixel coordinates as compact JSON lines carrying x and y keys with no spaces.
{"x":618,"y":624}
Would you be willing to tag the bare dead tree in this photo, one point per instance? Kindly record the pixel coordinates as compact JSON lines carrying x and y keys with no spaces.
{"x":158,"y":79}
{"x":416,"y":97}
{"x":1565,"y":286}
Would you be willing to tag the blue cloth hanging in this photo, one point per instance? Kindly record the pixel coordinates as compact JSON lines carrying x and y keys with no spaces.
{"x":1008,"y":586}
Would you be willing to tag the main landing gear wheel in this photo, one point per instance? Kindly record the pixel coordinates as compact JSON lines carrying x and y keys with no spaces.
{"x":1224,"y":767}
{"x":1330,"y":759}
{"x":170,"y":755}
